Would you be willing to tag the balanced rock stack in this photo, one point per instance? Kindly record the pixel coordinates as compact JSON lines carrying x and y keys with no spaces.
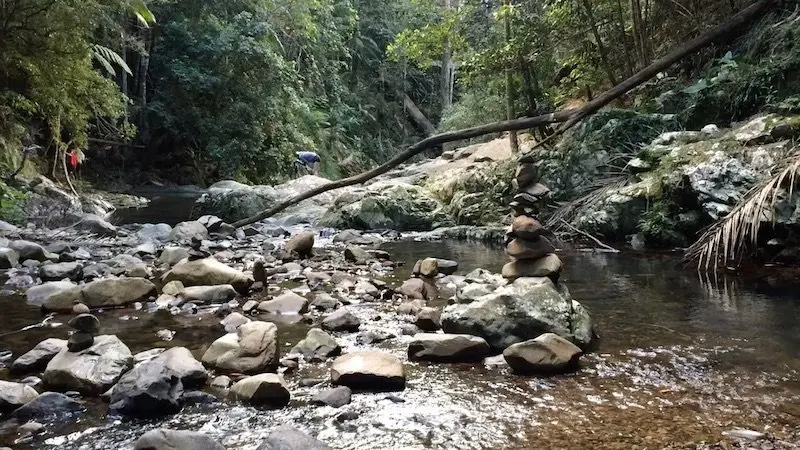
{"x":526,"y":242}
{"x":86,"y":326}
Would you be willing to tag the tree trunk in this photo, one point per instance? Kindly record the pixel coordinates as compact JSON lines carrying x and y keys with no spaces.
{"x":601,"y":48}
{"x":144,"y":67}
{"x":510,"y":95}
{"x":446,"y":80}
{"x":416,"y":115}
{"x":568,"y":117}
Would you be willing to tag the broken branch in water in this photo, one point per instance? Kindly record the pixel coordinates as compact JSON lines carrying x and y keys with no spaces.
{"x":569,"y":117}
{"x":592,"y":238}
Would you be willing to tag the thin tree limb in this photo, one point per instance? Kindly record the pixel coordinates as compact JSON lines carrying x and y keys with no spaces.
{"x":592,"y":238}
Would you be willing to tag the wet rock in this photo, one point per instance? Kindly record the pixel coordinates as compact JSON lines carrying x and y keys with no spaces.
{"x":301,"y":244}
{"x":356,"y":254}
{"x":334,"y":397}
{"x":447,"y":348}
{"x":286,"y":303}
{"x":429,"y":267}
{"x":369,"y":370}
{"x":38,"y":357}
{"x":172,"y":255}
{"x":253,"y":348}
{"x":259,"y":272}
{"x":80,"y":308}
{"x":266,"y":389}
{"x":49,"y":406}
{"x":548,"y":353}
{"x":14,"y":395}
{"x":30,"y":429}
{"x":79,"y":341}
{"x":529,"y":249}
{"x":147,"y":355}
{"x":91,"y":371}
{"x":221,"y":382}
{"x":209,"y":294}
{"x":148,"y":390}
{"x":61,"y":292}
{"x":97,"y":225}
{"x":114,"y":292}
{"x":181,"y":362}
{"x":527,"y":228}
{"x":341,"y":320}
{"x":325,"y":302}
{"x":185,"y":231}
{"x":548,"y":266}
{"x":163,"y":439}
{"x":28,"y":250}
{"x":8,"y":258}
{"x":317,"y":346}
{"x":233,"y":321}
{"x":289,"y":363}
{"x":413,"y":288}
{"x":286,"y":437}
{"x":85,"y":322}
{"x":446,"y":266}
{"x":428,"y":319}
{"x":154,"y":232}
{"x":198,"y":398}
{"x":520,"y":311}
{"x":208,"y":272}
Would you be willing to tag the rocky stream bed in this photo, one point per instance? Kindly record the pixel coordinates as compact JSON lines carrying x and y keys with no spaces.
{"x":297,"y":337}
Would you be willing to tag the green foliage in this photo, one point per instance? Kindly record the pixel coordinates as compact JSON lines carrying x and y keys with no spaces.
{"x":11,"y":204}
{"x":659,"y":227}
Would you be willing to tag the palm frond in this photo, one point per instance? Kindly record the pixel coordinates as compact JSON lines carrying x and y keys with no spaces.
{"x":106,"y":57}
{"x":726,"y":238}
{"x":142,"y":13}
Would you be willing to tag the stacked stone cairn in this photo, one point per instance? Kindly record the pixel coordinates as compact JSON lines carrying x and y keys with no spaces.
{"x":86,"y":326}
{"x":532,"y":253}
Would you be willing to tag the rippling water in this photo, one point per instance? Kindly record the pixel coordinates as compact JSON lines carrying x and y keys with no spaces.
{"x":681,"y":360}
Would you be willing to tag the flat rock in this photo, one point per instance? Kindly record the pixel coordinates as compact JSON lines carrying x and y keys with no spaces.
{"x":91,"y":371}
{"x":317,"y":346}
{"x":163,"y":439}
{"x":447,"y":348}
{"x":14,"y":395}
{"x":286,"y":303}
{"x":446,"y":266}
{"x":369,"y":370}
{"x":266,"y":389}
{"x":61,"y":271}
{"x":548,"y":266}
{"x":527,"y":227}
{"x":341,"y":320}
{"x":38,"y":357}
{"x":286,"y":437}
{"x":80,"y":340}
{"x":546,"y":354}
{"x":356,"y":254}
{"x":520,"y":248}
{"x":116,"y":292}
{"x":252,"y":349}
{"x":62,"y":292}
{"x":208,"y":272}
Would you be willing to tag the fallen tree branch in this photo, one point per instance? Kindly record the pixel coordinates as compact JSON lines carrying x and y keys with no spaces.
{"x":592,"y":238}
{"x":569,"y":117}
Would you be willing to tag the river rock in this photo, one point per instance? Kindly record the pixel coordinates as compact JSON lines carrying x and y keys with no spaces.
{"x":55,"y":292}
{"x":149,"y":389}
{"x":472,"y":291}
{"x":317,"y":346}
{"x":413,"y":288}
{"x":287,"y":438}
{"x":428,"y":319}
{"x":520,"y":311}
{"x":28,"y":250}
{"x":163,"y":439}
{"x":7,"y":228}
{"x":369,"y":370}
{"x":116,"y":292}
{"x":447,"y":347}
{"x":286,"y":303}
{"x":183,"y":364}
{"x":348,"y":236}
{"x":49,"y":406}
{"x":95,"y":224}
{"x":334,"y":397}
{"x":253,"y":348}
{"x":91,"y":371}
{"x":266,"y":389}
{"x":548,"y":353}
{"x":154,"y":232}
{"x":527,"y":228}
{"x":429,"y":267}
{"x":85,"y":322}
{"x":208,"y":272}
{"x":172,"y":255}
{"x":325,"y":302}
{"x":79,"y":341}
{"x":8,"y":258}
{"x":411,"y":307}
{"x":548,"y":266}
{"x":341,"y":320}
{"x":209,"y":294}
{"x":356,"y":254}
{"x":14,"y":395}
{"x":301,"y":243}
{"x":526,"y":175}
{"x":185,"y":231}
{"x":529,"y":249}
{"x":233,"y":321}
{"x":80,"y":308}
{"x":446,"y":266}
{"x":38,"y":357}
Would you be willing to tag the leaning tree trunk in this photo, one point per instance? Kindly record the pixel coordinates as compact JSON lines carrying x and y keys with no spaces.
{"x":568,"y":117}
{"x":512,"y":135}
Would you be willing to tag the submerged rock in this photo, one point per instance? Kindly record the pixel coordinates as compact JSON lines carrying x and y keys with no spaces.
{"x":523,"y":310}
{"x":369,"y":370}
{"x":266,"y":389}
{"x":252,"y":349}
{"x":91,"y":371}
{"x":163,"y":439}
{"x":548,"y":353}
{"x":447,"y":347}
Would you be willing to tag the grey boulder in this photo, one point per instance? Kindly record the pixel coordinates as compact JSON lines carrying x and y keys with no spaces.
{"x":163,"y":439}
{"x":252,"y":349}
{"x":369,"y":370}
{"x":38,"y":357}
{"x":317,"y":346}
{"x":447,"y":348}
{"x":286,"y":437}
{"x":91,"y":371}
{"x":266,"y":389}
{"x":548,"y":353}
{"x":14,"y":395}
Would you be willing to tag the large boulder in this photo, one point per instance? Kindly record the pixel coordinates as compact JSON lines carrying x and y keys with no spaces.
{"x":183,"y":364}
{"x":369,"y":370}
{"x":520,"y":311}
{"x":317,"y":346}
{"x":8,"y":258}
{"x":95,"y":224}
{"x":60,"y":292}
{"x":49,"y":406}
{"x":154,"y":232}
{"x":14,"y":395}
{"x":150,"y":389}
{"x":172,"y":255}
{"x":116,"y":291}
{"x":548,"y":353}
{"x":447,"y":347}
{"x":252,"y":349}
{"x":287,"y":438}
{"x":60,"y":271}
{"x":90,"y":371}
{"x":28,"y":250}
{"x":38,"y":357}
{"x":266,"y":389}
{"x":341,"y":320}
{"x":286,"y":303}
{"x":185,"y":231}
{"x":548,"y":266}
{"x":163,"y":439}
{"x":208,"y":272}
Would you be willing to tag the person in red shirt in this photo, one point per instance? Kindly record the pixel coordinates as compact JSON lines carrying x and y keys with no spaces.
{"x":73,"y":161}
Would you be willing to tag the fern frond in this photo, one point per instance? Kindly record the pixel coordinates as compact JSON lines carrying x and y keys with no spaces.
{"x":142,"y":13}
{"x":725,"y":239}
{"x":105,"y":56}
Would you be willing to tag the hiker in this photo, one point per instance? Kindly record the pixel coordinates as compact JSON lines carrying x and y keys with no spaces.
{"x":307,"y":163}
{"x":73,"y":161}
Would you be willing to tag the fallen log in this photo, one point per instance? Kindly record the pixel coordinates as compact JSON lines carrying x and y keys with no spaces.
{"x":568,"y":118}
